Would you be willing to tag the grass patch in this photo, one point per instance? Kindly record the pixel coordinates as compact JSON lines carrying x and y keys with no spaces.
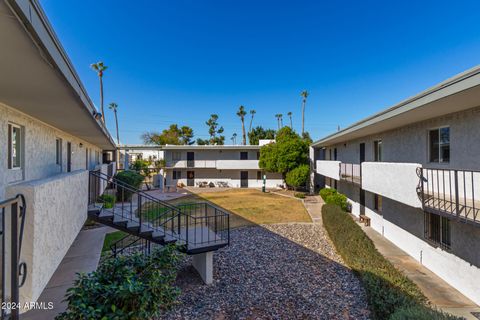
{"x":250,"y":206}
{"x":390,"y":294}
{"x":112,"y":237}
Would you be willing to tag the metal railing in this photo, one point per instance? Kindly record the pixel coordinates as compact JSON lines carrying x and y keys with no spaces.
{"x":130,"y":245}
{"x":192,"y":225}
{"x":351,"y":172}
{"x":451,"y":192}
{"x":12,"y":233}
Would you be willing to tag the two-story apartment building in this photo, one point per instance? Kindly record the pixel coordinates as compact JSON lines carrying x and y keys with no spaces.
{"x":129,"y":153}
{"x":50,"y":137}
{"x":234,"y":166}
{"x":414,"y":170}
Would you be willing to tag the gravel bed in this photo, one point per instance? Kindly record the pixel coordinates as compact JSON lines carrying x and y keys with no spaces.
{"x":283,"y":271}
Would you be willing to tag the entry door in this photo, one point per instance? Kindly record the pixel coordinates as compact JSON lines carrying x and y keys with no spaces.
{"x":362,"y":152}
{"x":190,"y":159}
{"x":190,"y":178}
{"x":244,"y":179}
{"x":69,"y":156}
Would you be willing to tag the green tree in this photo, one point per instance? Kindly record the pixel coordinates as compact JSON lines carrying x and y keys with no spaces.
{"x":287,"y":153}
{"x":258,"y":133}
{"x":298,"y":177}
{"x":304,"y":95}
{"x":113,"y":106}
{"x":215,"y":131}
{"x":99,"y":68}
{"x":242,"y":113}
{"x":173,"y":135}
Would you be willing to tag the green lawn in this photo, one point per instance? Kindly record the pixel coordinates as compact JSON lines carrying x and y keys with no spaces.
{"x":110,"y":238}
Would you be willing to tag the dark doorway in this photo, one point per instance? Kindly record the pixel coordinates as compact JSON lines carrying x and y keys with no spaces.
{"x":362,"y":152}
{"x":191,"y":178}
{"x":69,"y":156}
{"x":190,"y":159}
{"x":243,"y":155}
{"x":244,"y":179}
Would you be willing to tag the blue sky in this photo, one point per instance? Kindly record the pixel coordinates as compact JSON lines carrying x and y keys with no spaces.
{"x":179,"y":61}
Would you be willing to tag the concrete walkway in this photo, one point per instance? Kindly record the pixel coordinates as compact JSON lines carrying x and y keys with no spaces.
{"x":83,"y":256}
{"x":434,"y":288}
{"x":314,"y":204}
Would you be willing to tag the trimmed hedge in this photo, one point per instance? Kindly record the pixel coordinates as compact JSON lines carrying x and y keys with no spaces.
{"x":131,"y":178}
{"x":390,"y":294}
{"x":298,"y":177}
{"x":332,"y":196}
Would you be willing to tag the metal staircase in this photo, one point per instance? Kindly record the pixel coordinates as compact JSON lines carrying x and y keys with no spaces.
{"x":195,"y":228}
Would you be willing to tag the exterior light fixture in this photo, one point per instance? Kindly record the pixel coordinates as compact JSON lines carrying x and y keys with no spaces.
{"x":80,"y":145}
{"x":97,"y":115}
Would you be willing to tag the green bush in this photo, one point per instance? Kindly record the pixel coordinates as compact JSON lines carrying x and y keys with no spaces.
{"x":332,"y":196}
{"x":298,"y":177}
{"x":129,"y":287}
{"x":388,"y":290}
{"x":299,"y":195}
{"x":420,"y":313}
{"x":133,"y":179}
{"x":108,"y":200}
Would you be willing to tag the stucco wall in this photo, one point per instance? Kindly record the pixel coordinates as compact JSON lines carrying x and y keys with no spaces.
{"x":39,"y":156}
{"x":329,"y":169}
{"x":56,"y":211}
{"x":217,"y":154}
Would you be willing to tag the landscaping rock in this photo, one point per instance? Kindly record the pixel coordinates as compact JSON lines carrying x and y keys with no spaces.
{"x":283,"y":271}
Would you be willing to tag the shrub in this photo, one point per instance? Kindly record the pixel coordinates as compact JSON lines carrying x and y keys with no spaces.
{"x":298,"y":177}
{"x":388,"y":290}
{"x":299,"y":195}
{"x":128,"y":287}
{"x":420,"y":313}
{"x":332,"y":196}
{"x":108,"y":200}
{"x":133,"y":179}
{"x":140,"y":166}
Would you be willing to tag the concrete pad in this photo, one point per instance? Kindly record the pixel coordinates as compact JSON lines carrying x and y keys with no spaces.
{"x":83,"y":256}
{"x":313,"y":205}
{"x":438,"y":292}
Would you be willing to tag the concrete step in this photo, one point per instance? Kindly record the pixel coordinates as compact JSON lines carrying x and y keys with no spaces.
{"x":133,"y":226}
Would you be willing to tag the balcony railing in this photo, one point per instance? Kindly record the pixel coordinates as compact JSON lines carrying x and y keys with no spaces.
{"x":351,"y":172}
{"x":215,"y":164}
{"x":451,"y":193}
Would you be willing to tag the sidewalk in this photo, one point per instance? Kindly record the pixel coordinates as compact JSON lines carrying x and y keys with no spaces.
{"x":314,"y":204}
{"x":83,"y":256}
{"x":440,"y":293}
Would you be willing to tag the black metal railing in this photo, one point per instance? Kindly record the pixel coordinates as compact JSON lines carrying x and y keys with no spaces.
{"x":192,"y":226}
{"x":451,"y":192}
{"x":351,"y":172}
{"x":13,"y":213}
{"x":130,"y":245}
{"x":110,"y":169}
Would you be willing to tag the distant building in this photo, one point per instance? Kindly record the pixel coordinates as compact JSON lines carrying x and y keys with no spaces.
{"x":128,"y":154}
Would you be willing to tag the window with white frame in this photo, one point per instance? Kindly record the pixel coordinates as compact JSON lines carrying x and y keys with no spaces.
{"x":177,"y":174}
{"x":176,"y":156}
{"x":15,"y":146}
{"x":439,"y":145}
{"x":58,"y":151}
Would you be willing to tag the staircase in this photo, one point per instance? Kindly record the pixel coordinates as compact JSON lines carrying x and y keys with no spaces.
{"x":194,"y":228}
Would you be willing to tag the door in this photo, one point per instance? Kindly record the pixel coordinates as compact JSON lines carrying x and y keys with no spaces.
{"x":191,"y":178}
{"x":190,"y":160}
{"x":69,"y":156}
{"x":244,"y":179}
{"x":362,"y":152}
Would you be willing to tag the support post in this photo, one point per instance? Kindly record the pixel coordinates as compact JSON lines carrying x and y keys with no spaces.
{"x":203,"y":263}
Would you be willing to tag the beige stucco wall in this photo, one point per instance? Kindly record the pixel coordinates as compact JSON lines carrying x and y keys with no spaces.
{"x":56,"y":211}
{"x":39,"y":157}
{"x":328,"y":168}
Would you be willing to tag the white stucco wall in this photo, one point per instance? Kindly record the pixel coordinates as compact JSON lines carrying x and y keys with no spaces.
{"x":329,"y":168}
{"x":397,"y":181}
{"x":238,"y":164}
{"x":56,"y":211}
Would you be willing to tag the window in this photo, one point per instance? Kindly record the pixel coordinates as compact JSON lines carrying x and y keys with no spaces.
{"x":437,"y":230}
{"x":15,"y":146}
{"x":58,"y":151}
{"x":330,"y":154}
{"x":258,"y":155}
{"x":439,"y":145}
{"x":176,"y":156}
{"x":377,"y":203}
{"x":259,"y":175}
{"x":377,"y":150}
{"x":243,"y":155}
{"x":177,"y":175}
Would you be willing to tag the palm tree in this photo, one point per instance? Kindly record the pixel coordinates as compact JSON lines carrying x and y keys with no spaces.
{"x":281,"y":120}
{"x":99,"y":68}
{"x":234,"y":138}
{"x":252,"y":113}
{"x":113,"y":106}
{"x":289,"y":114}
{"x":241,"y":113}
{"x":278,"y":116}
{"x":304,"y":95}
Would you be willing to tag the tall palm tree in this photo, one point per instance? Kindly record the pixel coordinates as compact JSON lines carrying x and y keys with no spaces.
{"x":234,"y":138}
{"x":113,"y":106}
{"x":281,"y":120}
{"x":252,"y":113}
{"x":289,"y":114}
{"x":242,"y":113}
{"x":99,"y":68}
{"x":304,"y":95}
{"x":278,"y":116}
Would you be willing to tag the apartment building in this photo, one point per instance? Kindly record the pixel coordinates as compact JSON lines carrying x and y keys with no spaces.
{"x":130,"y":153}
{"x":234,"y":166}
{"x":414,"y":170}
{"x":50,"y":137}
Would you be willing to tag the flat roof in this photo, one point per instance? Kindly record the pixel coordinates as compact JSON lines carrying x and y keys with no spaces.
{"x":458,"y":93}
